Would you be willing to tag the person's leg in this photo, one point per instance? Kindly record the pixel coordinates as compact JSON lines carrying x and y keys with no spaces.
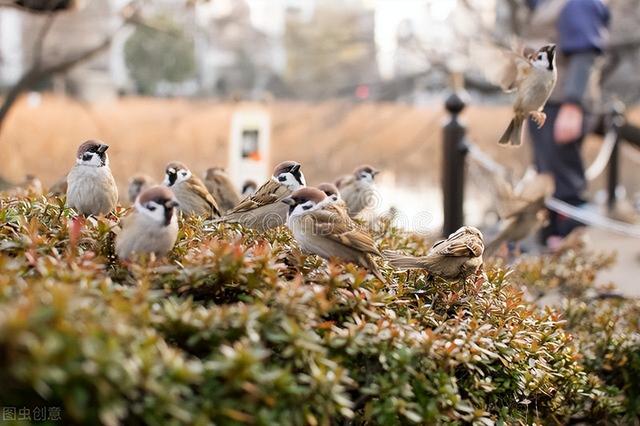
{"x":564,"y":162}
{"x":544,"y":160}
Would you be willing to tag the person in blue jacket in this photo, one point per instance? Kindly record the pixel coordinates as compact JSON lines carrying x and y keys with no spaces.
{"x":581,"y":34}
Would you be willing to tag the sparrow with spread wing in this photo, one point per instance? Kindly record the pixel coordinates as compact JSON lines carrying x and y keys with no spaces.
{"x":531,"y":74}
{"x":458,"y":256}
{"x":521,"y":208}
{"x":328,"y":231}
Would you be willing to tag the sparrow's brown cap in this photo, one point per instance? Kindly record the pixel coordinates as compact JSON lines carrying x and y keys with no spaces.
{"x":176,"y":165}
{"x":366,"y":169}
{"x":286,"y":166}
{"x":92,"y":145}
{"x":303,"y":195}
{"x":212,"y":171}
{"x":140,"y":179}
{"x":158,"y":194}
{"x":328,"y":188}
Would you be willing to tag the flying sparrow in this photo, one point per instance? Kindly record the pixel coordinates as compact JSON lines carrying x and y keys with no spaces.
{"x":521,"y":208}
{"x":358,"y":190}
{"x":152,"y":227}
{"x":192,"y":195}
{"x":531,"y":74}
{"x":458,"y":256}
{"x":220,"y":186}
{"x":137,"y":184}
{"x":248,"y":188}
{"x":328,"y":231}
{"x":263,"y":210}
{"x":91,"y":189}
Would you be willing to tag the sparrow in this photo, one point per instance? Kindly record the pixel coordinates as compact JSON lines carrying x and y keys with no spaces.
{"x":137,"y":184}
{"x":248,"y":188}
{"x":531,"y":74}
{"x":59,"y":187}
{"x":32,"y":184}
{"x":91,"y":189}
{"x":192,"y":195}
{"x":220,"y":186}
{"x":152,"y":227}
{"x":521,"y":208}
{"x":263,"y":210}
{"x":332,"y":194}
{"x":459,"y":256}
{"x":358,"y":189}
{"x":328,"y":231}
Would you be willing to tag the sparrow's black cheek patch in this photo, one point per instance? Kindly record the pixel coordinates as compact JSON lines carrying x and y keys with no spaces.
{"x":87,"y":157}
{"x":282,"y":178}
{"x":298,"y":176}
{"x":168,"y":214}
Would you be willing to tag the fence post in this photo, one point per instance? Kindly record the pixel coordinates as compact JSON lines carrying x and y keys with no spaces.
{"x":617,"y":120}
{"x":453,"y":167}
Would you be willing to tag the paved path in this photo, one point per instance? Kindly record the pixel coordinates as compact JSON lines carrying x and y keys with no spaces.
{"x":625,"y":274}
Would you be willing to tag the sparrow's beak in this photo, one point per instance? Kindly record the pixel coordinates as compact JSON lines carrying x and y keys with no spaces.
{"x":171,"y":204}
{"x":102,"y":148}
{"x":289,"y":201}
{"x":374,"y":173}
{"x":552,"y":48}
{"x":295,"y":168}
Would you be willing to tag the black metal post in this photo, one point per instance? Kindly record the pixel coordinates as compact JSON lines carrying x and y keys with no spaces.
{"x":453,"y":166}
{"x":617,"y":120}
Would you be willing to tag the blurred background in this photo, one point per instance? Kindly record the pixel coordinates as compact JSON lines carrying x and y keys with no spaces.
{"x":336,"y":83}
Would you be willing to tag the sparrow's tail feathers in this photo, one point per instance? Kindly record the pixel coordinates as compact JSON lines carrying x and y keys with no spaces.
{"x":402,"y":261}
{"x":513,"y":134}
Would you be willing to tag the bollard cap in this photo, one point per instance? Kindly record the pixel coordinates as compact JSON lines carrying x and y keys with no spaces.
{"x":454,"y":103}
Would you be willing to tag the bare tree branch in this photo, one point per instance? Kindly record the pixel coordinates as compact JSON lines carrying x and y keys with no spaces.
{"x":42,"y":35}
{"x":37,"y":74}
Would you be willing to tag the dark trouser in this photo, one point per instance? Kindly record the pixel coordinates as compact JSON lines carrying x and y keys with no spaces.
{"x":564,"y":162}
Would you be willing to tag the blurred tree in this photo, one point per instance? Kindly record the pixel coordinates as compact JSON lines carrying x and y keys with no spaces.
{"x":333,"y":51}
{"x":153,"y":56}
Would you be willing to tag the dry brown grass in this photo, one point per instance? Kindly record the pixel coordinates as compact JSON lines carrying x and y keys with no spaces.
{"x":145,"y":134}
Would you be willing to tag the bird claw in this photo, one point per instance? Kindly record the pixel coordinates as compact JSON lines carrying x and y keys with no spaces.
{"x":539,"y":118}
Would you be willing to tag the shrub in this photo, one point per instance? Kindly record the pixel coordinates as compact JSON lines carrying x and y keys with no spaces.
{"x":241,"y":327}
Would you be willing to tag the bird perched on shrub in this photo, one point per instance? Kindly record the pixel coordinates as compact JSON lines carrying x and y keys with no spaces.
{"x":531,"y":74}
{"x":59,"y":187}
{"x":358,"y":189}
{"x":152,"y":227}
{"x":521,"y":208}
{"x":263,"y":210}
{"x":248,"y":188}
{"x":137,"y":184}
{"x":459,"y":256}
{"x":332,"y":193}
{"x":192,"y":195}
{"x":327,"y":230}
{"x":220,"y":186}
{"x":91,"y":189}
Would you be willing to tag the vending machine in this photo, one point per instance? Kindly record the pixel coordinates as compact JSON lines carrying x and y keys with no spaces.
{"x":250,"y":145}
